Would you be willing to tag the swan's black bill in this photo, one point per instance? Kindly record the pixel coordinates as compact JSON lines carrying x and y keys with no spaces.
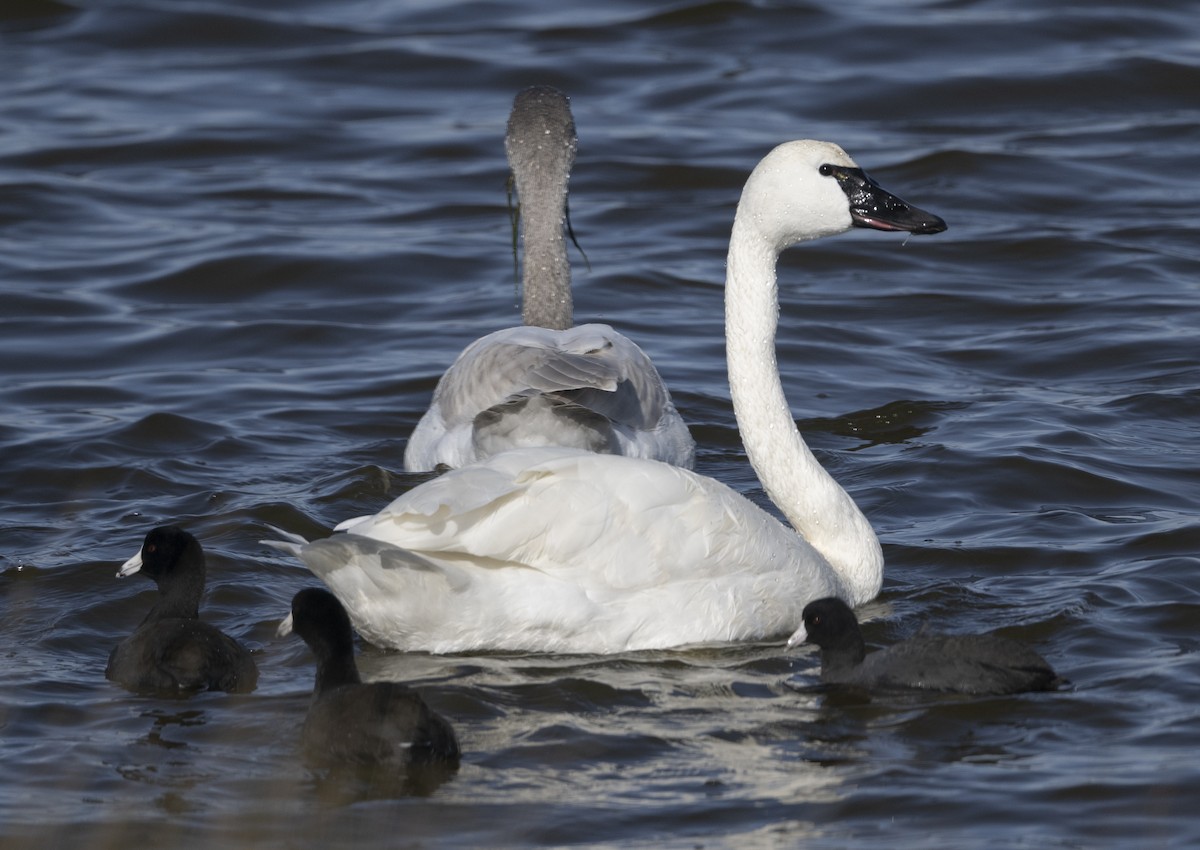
{"x":875,"y":207}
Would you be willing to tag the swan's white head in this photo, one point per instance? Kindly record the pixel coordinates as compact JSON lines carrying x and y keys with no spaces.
{"x":808,"y":189}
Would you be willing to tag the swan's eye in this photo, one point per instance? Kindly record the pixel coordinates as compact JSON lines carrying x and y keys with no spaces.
{"x":826,"y":170}
{"x":151,"y":549}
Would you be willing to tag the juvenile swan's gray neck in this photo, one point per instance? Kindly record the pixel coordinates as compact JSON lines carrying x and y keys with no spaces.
{"x":541,"y":144}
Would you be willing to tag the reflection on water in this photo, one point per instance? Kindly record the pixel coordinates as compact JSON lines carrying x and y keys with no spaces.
{"x":348,"y":785}
{"x":162,"y":723}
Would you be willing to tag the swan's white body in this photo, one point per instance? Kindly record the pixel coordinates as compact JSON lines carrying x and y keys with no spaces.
{"x":558,"y":550}
{"x":548,"y":383}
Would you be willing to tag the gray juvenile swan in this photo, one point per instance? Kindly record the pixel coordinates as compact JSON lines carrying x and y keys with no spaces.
{"x":561,"y":550}
{"x":547,"y":383}
{"x":965,"y":664}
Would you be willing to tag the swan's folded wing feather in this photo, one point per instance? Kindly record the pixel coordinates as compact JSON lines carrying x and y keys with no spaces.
{"x":591,"y":367}
{"x":605,"y":370}
{"x":645,"y":522}
{"x":519,"y":361}
{"x":640,"y":399}
{"x":331,"y":555}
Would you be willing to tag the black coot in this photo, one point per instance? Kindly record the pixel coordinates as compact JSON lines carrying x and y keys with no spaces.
{"x":968,"y":664}
{"x":378,"y":724}
{"x":173,"y":650}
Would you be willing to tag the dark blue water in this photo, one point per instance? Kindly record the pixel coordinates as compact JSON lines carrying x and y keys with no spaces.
{"x":240,"y":241}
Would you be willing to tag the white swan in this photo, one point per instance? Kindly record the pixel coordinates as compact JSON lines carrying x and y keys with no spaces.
{"x":547,"y":383}
{"x":558,"y":550}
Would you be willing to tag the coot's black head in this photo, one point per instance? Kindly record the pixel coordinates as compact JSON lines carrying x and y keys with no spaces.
{"x":168,"y":551}
{"x":322,"y":622}
{"x":829,"y":623}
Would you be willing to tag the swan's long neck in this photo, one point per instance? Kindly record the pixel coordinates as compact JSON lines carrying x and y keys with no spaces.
{"x":547,"y":274}
{"x":808,"y":496}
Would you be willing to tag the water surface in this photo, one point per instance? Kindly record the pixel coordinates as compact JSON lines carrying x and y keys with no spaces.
{"x":239,"y":244}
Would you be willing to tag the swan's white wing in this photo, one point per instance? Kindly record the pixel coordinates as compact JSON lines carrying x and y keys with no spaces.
{"x":585,"y":387}
{"x":556,"y":550}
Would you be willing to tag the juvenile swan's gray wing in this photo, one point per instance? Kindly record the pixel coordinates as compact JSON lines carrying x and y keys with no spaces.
{"x":587,"y":387}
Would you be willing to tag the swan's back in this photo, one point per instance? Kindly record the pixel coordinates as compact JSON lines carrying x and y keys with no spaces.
{"x":586,"y":387}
